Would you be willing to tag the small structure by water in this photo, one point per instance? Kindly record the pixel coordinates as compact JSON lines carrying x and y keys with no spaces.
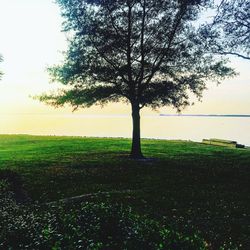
{"x":220,"y":142}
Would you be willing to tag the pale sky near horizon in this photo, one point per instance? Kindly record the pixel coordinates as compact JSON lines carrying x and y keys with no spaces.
{"x":31,"y":40}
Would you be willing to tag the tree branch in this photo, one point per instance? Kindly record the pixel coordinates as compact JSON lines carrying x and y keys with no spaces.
{"x":167,"y":45}
{"x":129,"y":41}
{"x":107,"y":60}
{"x":141,"y":73}
{"x":234,"y":54}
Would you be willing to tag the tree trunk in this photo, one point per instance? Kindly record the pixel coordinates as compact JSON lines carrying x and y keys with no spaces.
{"x":136,"y":139}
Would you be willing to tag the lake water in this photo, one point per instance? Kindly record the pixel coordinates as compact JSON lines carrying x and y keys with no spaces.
{"x":152,"y":126}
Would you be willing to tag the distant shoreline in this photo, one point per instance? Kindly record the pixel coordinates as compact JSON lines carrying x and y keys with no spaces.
{"x":124,"y":115}
{"x":204,"y":115}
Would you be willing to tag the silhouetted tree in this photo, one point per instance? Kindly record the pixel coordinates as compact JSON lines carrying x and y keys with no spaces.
{"x":232,"y":24}
{"x":147,"y":53}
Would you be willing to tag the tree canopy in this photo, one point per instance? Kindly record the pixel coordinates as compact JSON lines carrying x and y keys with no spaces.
{"x":232,"y":24}
{"x":147,"y":53}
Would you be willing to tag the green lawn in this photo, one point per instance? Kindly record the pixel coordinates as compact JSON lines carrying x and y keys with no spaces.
{"x":190,"y":186}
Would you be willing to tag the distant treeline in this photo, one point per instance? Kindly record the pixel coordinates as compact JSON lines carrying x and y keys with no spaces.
{"x":205,"y":115}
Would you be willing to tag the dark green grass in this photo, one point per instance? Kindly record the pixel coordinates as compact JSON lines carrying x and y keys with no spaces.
{"x":190,"y":186}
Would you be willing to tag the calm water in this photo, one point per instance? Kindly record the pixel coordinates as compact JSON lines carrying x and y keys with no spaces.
{"x":163,"y":127}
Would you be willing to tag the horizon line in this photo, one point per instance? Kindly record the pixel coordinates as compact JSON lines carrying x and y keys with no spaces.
{"x":125,"y":114}
{"x":209,"y":115}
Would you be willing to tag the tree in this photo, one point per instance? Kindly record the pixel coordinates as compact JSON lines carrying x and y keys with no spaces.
{"x":232,"y":24}
{"x":147,"y":53}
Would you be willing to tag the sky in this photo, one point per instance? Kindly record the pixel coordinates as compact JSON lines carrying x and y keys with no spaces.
{"x":31,"y":40}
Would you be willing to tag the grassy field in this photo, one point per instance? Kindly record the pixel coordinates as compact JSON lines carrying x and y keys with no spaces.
{"x":190,"y":186}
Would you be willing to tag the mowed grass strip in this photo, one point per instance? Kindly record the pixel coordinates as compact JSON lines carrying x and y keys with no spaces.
{"x":188,"y":185}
